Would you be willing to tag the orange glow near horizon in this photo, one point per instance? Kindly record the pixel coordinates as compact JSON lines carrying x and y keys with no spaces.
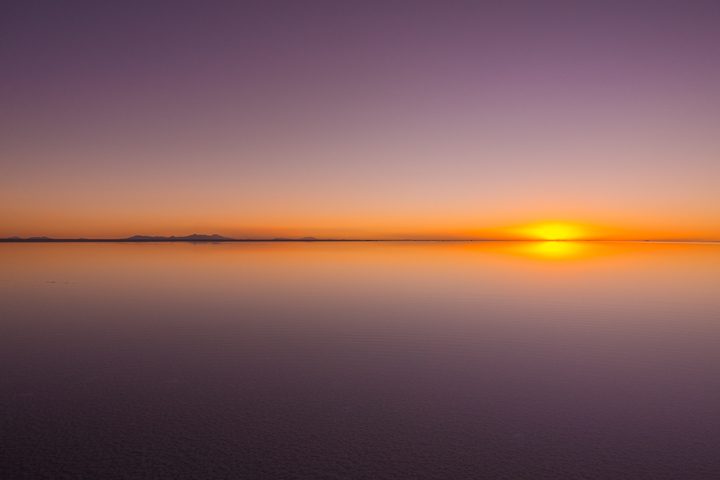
{"x":96,"y":221}
{"x":554,"y":231}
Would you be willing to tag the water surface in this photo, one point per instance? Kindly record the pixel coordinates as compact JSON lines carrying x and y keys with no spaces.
{"x":360,"y":360}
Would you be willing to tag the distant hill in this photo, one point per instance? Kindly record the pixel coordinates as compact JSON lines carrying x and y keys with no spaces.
{"x":195,"y":237}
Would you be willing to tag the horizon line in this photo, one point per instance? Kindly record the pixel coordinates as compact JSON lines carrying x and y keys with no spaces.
{"x":214,"y":238}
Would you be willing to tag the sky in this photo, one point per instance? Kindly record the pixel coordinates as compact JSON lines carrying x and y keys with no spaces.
{"x":360,"y":119}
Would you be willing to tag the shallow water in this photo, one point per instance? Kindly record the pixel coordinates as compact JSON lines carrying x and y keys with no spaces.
{"x":360,"y":360}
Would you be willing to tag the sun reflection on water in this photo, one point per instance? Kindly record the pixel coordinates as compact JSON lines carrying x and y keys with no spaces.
{"x":554,"y":250}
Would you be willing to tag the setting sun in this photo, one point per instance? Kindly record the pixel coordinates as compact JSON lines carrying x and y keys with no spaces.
{"x":555,"y":231}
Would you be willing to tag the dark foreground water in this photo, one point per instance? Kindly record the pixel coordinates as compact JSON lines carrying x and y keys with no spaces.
{"x":360,"y":360}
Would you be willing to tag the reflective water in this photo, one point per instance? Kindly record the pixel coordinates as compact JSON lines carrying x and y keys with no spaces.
{"x":360,"y":360}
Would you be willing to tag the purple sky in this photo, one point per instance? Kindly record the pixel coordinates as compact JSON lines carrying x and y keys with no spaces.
{"x":359,"y":118}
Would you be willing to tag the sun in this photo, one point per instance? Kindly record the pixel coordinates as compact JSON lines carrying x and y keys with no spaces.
{"x":554,"y":231}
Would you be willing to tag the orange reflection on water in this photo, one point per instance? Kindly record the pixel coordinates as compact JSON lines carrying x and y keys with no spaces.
{"x":353,"y":274}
